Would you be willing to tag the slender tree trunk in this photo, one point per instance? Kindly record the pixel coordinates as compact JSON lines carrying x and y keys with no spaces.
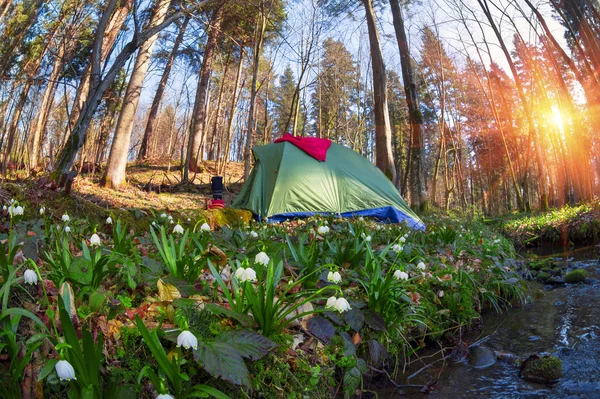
{"x":533,"y":136}
{"x":383,"y":133}
{"x":46,"y":105}
{"x":143,"y":152}
{"x":258,"y":41}
{"x":113,"y":28}
{"x":114,"y":175}
{"x":418,"y":184}
{"x":234,"y":102}
{"x":197,"y":129}
{"x":99,"y":84}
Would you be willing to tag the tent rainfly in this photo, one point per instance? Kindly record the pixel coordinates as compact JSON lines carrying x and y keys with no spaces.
{"x":288,"y":183}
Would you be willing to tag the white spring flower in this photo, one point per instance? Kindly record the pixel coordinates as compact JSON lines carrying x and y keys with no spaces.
{"x":154,"y":224}
{"x":67,"y":229}
{"x":421,"y":266}
{"x":30,"y":277}
{"x":42,"y":211}
{"x":171,"y":222}
{"x":17,"y":211}
{"x":187,"y":340}
{"x":205,"y":227}
{"x":65,"y":371}
{"x":402,"y":239}
{"x":400,"y":275}
{"x":331,"y":302}
{"x":334,"y":277}
{"x":377,"y":227}
{"x":366,"y":237}
{"x":163,"y":215}
{"x":262,"y":258}
{"x":245,"y":274}
{"x":361,"y":219}
{"x":440,"y":293}
{"x":4,"y":208}
{"x":189,"y":220}
{"x":253,"y":234}
{"x":65,"y":218}
{"x":397,"y":248}
{"x":178,"y":229}
{"x":342,"y":305}
{"x":94,"y":239}
{"x":323,"y":230}
{"x":109,"y":220}
{"x":165,"y":396}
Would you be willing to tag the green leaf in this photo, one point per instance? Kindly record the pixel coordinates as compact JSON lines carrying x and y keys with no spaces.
{"x":244,"y":319}
{"x":321,"y":328}
{"x":221,"y":360}
{"x":47,"y":369}
{"x":355,"y":319}
{"x":374,"y":320}
{"x":201,"y":388}
{"x":249,"y":344}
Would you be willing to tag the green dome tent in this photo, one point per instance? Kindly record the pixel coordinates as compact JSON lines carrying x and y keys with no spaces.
{"x":286,"y":183}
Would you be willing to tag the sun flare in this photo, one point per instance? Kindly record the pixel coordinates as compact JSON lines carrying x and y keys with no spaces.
{"x":557,"y":116}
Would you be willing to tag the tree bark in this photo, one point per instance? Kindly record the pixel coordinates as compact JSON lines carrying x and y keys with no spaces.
{"x":258,"y":41}
{"x":143,"y":152}
{"x":383,"y":132}
{"x":117,"y":160}
{"x":418,"y":185}
{"x":197,"y":129}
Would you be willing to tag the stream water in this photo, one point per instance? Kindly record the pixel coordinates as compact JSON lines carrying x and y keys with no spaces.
{"x":563,"y":321}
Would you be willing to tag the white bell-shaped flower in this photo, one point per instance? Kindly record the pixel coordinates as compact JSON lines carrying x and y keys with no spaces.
{"x":397,"y":248}
{"x":30,"y":276}
{"x":334,"y":277}
{"x":95,"y":240}
{"x":400,"y":275}
{"x":165,"y":396}
{"x":163,"y":215}
{"x":178,"y":229}
{"x":250,"y":274}
{"x":187,"y":340}
{"x":402,"y":239}
{"x":253,"y":234}
{"x":205,"y":227}
{"x":109,"y":220}
{"x":17,"y":211}
{"x":440,"y":293}
{"x":42,"y":210}
{"x":342,"y":305}
{"x":323,"y":230}
{"x":65,"y":371}
{"x":262,"y":258}
{"x":67,"y":229}
{"x":65,"y":218}
{"x":421,"y":266}
{"x":240,"y":273}
{"x":331,"y":302}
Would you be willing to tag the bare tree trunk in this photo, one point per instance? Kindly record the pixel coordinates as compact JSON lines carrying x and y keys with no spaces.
{"x":197,"y":129}
{"x":111,"y":33}
{"x":528,"y":112}
{"x":383,"y":133}
{"x":46,"y":105}
{"x":99,"y":84}
{"x":258,"y":41}
{"x":114,"y":175}
{"x":143,"y":152}
{"x":234,"y":102}
{"x":418,"y":184}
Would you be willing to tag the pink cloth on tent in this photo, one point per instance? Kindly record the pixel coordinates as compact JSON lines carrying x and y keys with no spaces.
{"x":315,"y":147}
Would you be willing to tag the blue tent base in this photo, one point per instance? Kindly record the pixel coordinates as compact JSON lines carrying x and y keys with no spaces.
{"x":387,"y":214}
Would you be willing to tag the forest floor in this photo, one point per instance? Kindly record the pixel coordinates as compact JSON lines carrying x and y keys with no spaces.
{"x":157,"y":186}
